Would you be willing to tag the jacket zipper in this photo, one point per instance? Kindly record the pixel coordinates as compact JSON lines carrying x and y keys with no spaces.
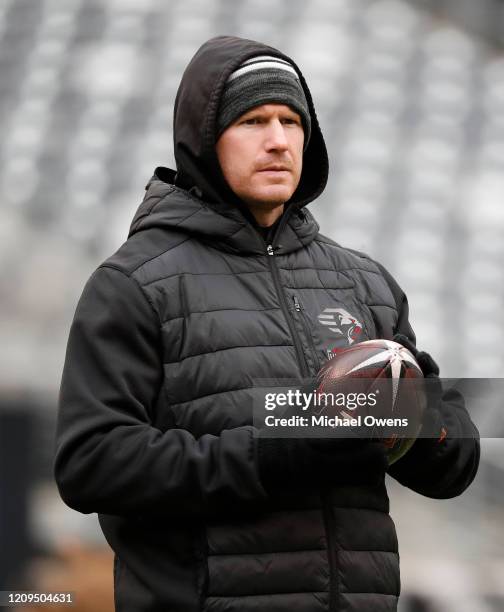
{"x":329,"y":520}
{"x":298,"y":307}
{"x":332,"y":551}
{"x":303,"y":364}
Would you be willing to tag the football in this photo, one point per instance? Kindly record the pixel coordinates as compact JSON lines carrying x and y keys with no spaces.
{"x":378,"y":386}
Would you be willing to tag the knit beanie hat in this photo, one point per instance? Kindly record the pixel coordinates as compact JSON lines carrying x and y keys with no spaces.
{"x":261,"y":80}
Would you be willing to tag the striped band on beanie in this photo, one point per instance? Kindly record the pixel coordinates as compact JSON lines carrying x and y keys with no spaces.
{"x":261,"y":80}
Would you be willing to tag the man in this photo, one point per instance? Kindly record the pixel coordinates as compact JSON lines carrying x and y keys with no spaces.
{"x":221,"y":283}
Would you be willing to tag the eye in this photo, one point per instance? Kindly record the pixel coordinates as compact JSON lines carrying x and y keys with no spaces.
{"x":251,"y":121}
{"x":290,"y":121}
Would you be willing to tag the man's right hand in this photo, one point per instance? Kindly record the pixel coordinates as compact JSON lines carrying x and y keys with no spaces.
{"x":305,"y":461}
{"x":317,"y":461}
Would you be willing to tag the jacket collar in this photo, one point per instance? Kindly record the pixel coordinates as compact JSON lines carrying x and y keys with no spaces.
{"x":224,"y":226}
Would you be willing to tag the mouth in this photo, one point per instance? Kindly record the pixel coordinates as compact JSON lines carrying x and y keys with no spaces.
{"x":275,"y":168}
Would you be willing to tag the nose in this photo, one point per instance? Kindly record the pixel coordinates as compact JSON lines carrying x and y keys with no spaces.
{"x":276,"y":138}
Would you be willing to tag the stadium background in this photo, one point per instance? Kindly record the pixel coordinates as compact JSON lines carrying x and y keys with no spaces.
{"x":410,"y":96}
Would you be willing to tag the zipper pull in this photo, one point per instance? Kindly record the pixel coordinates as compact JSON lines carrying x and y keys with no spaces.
{"x":269,"y":250}
{"x":297,"y":305}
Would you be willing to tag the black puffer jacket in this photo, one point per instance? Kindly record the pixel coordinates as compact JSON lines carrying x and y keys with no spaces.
{"x":154,"y":429}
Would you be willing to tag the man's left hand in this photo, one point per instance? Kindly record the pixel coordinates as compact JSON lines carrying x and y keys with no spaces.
{"x":424,"y":360}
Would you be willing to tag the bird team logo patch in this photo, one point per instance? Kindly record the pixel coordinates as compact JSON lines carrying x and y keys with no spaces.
{"x":342,"y":323}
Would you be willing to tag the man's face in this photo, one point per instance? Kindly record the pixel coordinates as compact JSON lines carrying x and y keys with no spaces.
{"x":261,"y":155}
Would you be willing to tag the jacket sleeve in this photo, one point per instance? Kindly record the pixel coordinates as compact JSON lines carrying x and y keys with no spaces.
{"x":444,"y":466}
{"x":109,"y":457}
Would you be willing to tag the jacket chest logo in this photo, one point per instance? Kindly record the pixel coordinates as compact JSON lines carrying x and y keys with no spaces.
{"x":342,"y":323}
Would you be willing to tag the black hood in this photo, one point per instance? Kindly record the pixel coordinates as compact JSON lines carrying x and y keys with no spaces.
{"x":196,"y":199}
{"x":194,"y":124}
